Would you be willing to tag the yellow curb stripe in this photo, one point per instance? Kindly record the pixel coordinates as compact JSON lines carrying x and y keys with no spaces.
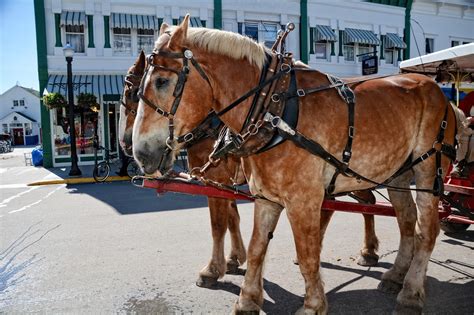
{"x":79,"y":180}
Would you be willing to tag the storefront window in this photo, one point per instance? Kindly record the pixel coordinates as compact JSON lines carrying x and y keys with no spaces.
{"x":28,"y":131}
{"x":86,"y":123}
{"x":146,"y":40}
{"x":122,"y":41}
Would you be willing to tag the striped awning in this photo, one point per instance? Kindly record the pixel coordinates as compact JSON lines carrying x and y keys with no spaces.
{"x":324,"y":33}
{"x":352,"y":35}
{"x":194,"y":21}
{"x":99,"y":85}
{"x":73,"y":18}
{"x":147,"y":22}
{"x":392,"y":40}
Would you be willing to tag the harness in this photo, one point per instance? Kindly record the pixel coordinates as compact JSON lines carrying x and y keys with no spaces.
{"x":277,"y":88}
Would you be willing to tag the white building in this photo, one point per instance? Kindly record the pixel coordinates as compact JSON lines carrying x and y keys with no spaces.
{"x":331,"y":35}
{"x":20,"y":115}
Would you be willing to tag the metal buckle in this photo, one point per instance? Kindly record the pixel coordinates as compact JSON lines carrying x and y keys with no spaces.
{"x":188,"y":137}
{"x":169,"y":143}
{"x":133,"y":112}
{"x":444,"y":124}
{"x":425,"y":156}
{"x":275,"y":98}
{"x":300,"y":92}
{"x":439,"y":171}
{"x":351,"y":131}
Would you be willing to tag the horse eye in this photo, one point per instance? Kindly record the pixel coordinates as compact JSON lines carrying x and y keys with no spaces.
{"x":160,"y":82}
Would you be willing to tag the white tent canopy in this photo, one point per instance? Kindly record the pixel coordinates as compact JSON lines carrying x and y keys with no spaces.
{"x":454,"y":59}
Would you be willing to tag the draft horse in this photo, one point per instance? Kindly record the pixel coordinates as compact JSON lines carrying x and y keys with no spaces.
{"x":397,"y":119}
{"x":224,"y":213}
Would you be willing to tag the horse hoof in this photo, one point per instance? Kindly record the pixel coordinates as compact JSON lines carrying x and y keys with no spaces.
{"x":389,"y":286}
{"x":237,"y":312}
{"x":368,"y":260}
{"x":206,"y":282}
{"x":407,"y":310}
{"x":233,"y":268}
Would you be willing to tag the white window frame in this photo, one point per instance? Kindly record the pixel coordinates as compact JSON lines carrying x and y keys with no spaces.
{"x":363,"y":49}
{"x":83,"y":34}
{"x":22,"y":103}
{"x":16,"y":103}
{"x":432,"y":45}
{"x":345,"y":48}
{"x":152,"y":36}
{"x":115,"y":38}
{"x":327,"y":50}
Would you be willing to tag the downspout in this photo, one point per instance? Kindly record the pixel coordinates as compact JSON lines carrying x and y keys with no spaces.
{"x":304,"y":31}
{"x":43,"y":81}
{"x":218,"y":14}
{"x":407,"y":31}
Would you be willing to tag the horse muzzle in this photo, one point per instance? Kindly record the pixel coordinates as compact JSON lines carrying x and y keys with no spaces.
{"x":151,"y":163}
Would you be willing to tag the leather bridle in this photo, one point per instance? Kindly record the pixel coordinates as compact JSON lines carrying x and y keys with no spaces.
{"x":129,"y":81}
{"x":187,"y":56}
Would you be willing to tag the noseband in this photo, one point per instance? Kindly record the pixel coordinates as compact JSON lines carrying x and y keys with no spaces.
{"x":186,"y":55}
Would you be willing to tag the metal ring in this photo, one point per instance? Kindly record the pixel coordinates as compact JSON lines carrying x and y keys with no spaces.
{"x":285,"y":67}
{"x":169,"y":144}
{"x":188,"y":54}
{"x":275,"y":98}
{"x":252,"y":129}
{"x":275,"y":121}
{"x":188,"y":137}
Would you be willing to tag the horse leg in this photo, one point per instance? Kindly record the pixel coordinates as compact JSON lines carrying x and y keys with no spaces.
{"x":266,"y":216}
{"x":305,"y":223}
{"x":326,"y":216}
{"x":219,"y":210}
{"x":238,"y":254}
{"x":412,"y":296}
{"x":368,"y":253}
{"x":405,"y":210}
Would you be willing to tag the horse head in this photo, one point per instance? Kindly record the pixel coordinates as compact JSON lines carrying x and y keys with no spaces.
{"x":171,"y":89}
{"x":129,"y":103}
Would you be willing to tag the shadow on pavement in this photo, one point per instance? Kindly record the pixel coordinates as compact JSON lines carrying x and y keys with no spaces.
{"x":128,"y":199}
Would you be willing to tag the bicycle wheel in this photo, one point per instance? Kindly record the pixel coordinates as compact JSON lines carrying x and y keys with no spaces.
{"x":101,"y":171}
{"x":133,"y":169}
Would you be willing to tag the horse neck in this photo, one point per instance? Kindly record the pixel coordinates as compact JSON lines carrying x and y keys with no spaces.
{"x":230,"y":79}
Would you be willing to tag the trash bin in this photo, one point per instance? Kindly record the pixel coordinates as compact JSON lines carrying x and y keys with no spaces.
{"x":37,"y":156}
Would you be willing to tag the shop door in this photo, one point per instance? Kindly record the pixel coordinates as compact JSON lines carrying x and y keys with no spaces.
{"x":18,"y":136}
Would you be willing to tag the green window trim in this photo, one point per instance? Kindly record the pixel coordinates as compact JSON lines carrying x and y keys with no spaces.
{"x":340,"y":43}
{"x":40,"y":22}
{"x":107,"y":31}
{"x":382,"y":48}
{"x":304,"y":27}
{"x":311,"y":41}
{"x":175,"y":21}
{"x":333,"y":49}
{"x":57,"y":28}
{"x":218,"y":14}
{"x":90,"y":30}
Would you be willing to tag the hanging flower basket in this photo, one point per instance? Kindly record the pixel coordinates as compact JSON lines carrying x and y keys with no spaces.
{"x":87,"y":100}
{"x":54,"y":100}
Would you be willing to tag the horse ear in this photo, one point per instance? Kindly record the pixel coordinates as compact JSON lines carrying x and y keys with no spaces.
{"x":164,"y":26}
{"x":179,"y":35}
{"x":140,"y":63}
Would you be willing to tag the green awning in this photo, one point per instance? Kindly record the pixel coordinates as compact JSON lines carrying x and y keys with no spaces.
{"x":392,"y":40}
{"x":352,"y":35}
{"x":73,"y":18}
{"x":324,"y":33}
{"x":146,"y":22}
{"x":99,"y":85}
{"x":193,"y":21}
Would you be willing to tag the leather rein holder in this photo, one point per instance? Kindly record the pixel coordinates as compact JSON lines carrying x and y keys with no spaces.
{"x":186,"y":55}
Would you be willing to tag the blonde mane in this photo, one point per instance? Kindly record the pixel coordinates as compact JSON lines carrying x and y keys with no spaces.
{"x":226,"y":43}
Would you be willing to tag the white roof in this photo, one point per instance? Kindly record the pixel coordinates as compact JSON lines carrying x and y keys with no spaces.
{"x":456,"y":58}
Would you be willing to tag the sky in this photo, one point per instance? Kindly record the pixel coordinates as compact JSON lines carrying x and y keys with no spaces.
{"x":18,"y":61}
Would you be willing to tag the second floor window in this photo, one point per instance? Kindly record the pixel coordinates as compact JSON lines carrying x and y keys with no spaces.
{"x":15,"y":103}
{"x":75,"y":37}
{"x":145,"y":40}
{"x":363,"y":50}
{"x":348,"y":51}
{"x":429,"y":45}
{"x":262,"y":32}
{"x":122,"y":41}
{"x":321,"y":50}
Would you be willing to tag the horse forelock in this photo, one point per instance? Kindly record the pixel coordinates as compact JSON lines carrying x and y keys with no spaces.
{"x":225,"y":43}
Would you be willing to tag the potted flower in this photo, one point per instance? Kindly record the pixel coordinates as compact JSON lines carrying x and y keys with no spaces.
{"x":87,"y":100}
{"x":54,"y":100}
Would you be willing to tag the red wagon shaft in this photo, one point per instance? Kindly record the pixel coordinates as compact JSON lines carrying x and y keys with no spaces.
{"x":163,"y":185}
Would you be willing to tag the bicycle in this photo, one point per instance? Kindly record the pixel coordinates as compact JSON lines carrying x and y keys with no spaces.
{"x":102,"y":169}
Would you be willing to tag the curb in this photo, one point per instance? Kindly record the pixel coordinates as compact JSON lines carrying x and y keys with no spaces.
{"x":80,"y":180}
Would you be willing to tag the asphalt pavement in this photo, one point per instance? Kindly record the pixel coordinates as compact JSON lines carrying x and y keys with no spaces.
{"x":114,"y":248}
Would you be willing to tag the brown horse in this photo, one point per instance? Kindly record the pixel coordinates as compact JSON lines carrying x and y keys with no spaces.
{"x":397,"y":119}
{"x":197,"y":157}
{"x":224,"y":213}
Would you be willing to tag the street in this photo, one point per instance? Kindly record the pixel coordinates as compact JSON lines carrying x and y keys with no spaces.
{"x":114,"y":248}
